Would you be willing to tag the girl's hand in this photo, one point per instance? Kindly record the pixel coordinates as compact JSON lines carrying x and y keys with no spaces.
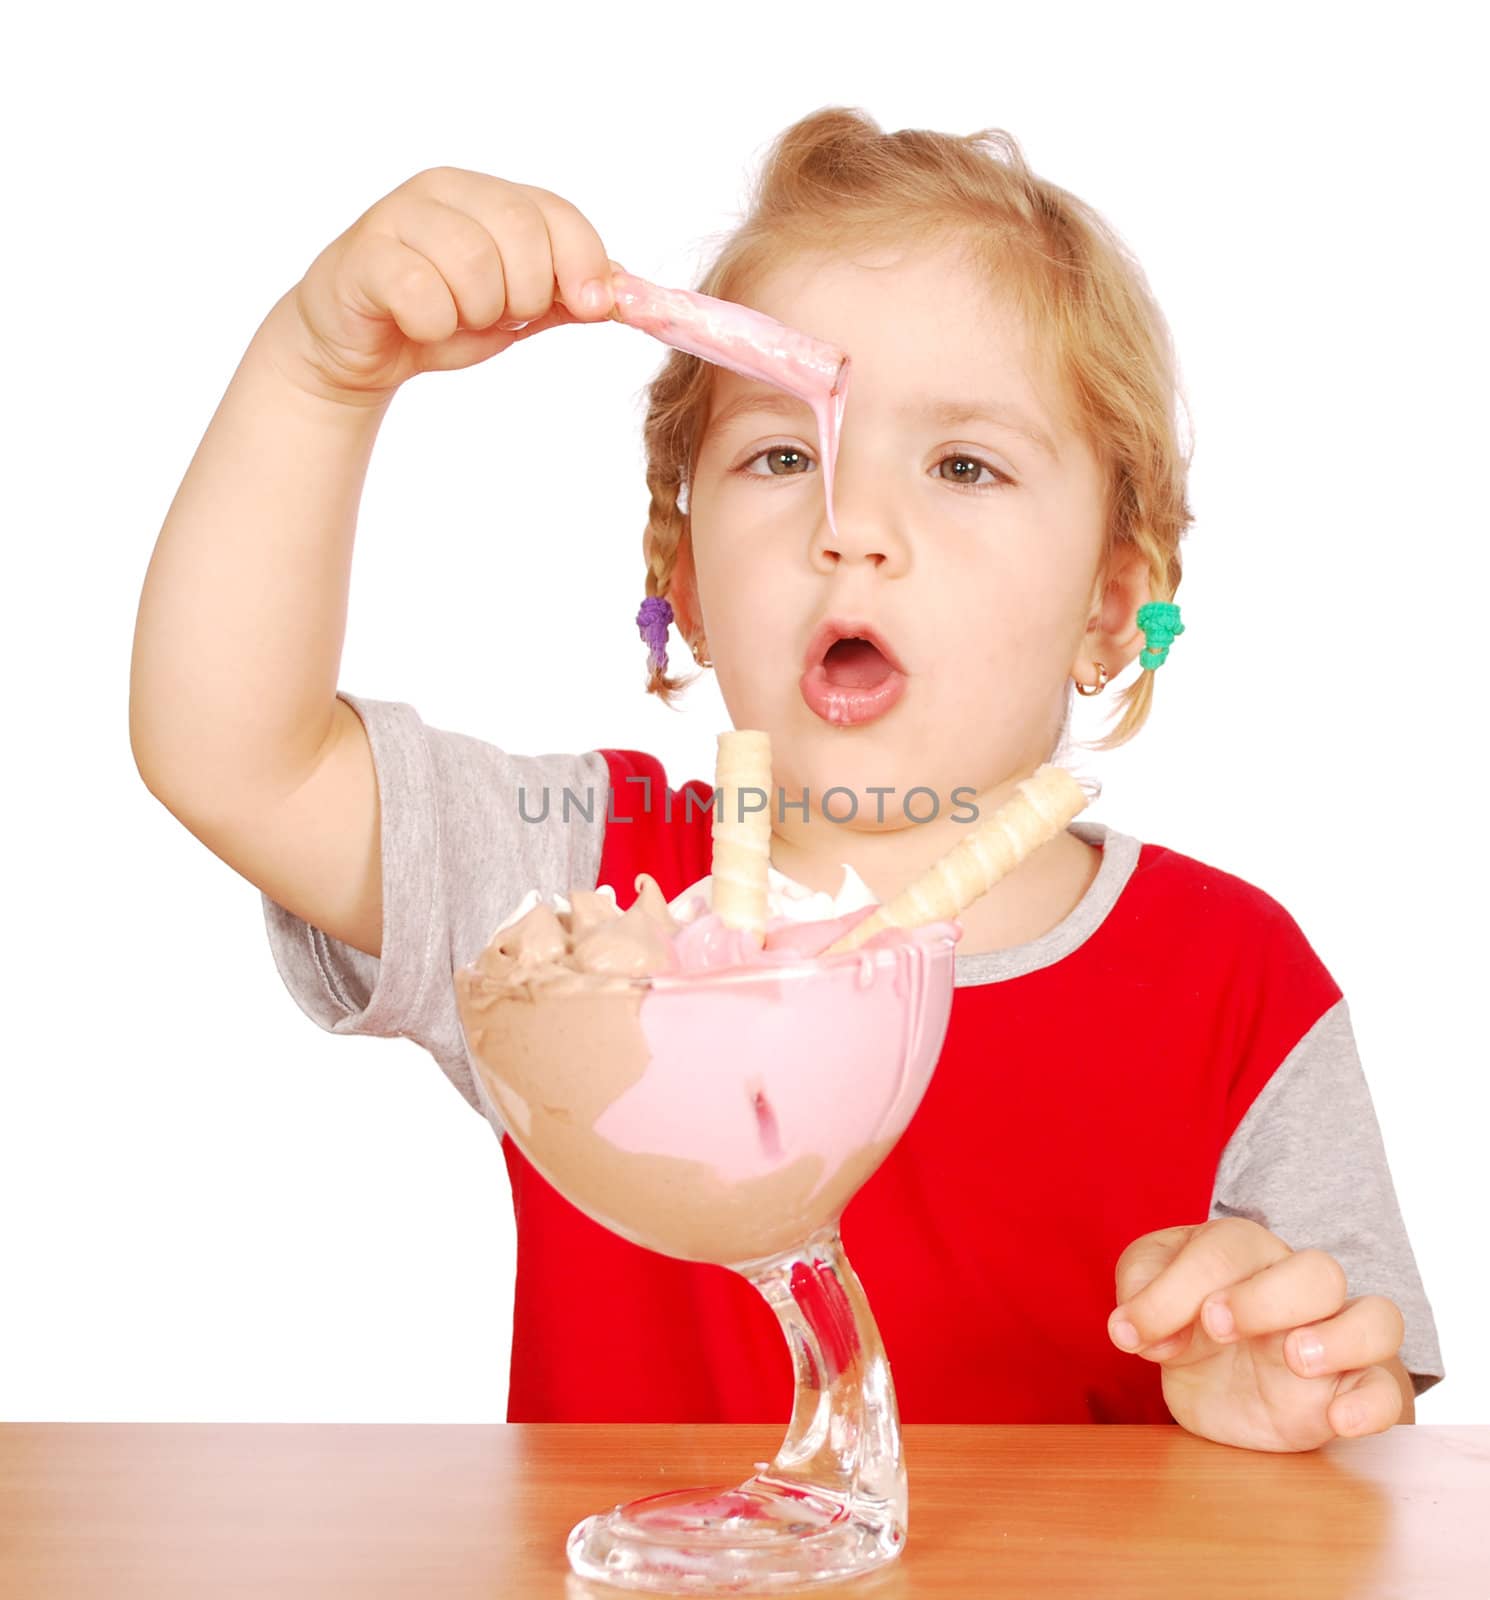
{"x":450,"y":268}
{"x":1251,"y":1384}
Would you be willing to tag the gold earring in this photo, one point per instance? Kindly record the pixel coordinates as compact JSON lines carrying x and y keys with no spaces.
{"x":1093,"y":688}
{"x":700,"y":655}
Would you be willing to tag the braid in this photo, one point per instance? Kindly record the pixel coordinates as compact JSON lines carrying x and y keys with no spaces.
{"x":660,"y":546}
{"x":664,"y":532}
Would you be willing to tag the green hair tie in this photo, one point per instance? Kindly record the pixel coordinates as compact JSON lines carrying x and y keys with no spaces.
{"x":1160,"y":621}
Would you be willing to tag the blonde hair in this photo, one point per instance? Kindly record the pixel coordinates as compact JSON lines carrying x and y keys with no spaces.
{"x":834,"y":180}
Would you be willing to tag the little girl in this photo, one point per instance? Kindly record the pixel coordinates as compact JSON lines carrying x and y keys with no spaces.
{"x":1147,"y":1181}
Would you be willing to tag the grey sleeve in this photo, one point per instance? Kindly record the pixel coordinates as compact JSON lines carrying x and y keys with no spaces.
{"x":458,"y":853}
{"x":1308,"y":1163}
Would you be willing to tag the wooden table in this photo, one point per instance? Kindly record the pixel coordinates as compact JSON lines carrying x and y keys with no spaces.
{"x":123,"y":1510}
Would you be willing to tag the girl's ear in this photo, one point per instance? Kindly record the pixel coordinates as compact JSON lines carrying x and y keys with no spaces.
{"x":1112,"y":632}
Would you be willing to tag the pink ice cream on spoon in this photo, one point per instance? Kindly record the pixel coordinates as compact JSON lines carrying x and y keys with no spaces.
{"x":750,"y":343}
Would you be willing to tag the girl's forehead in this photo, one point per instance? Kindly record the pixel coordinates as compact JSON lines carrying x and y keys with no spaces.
{"x":926,"y":274}
{"x":921,"y":365}
{"x":926,"y":324}
{"x":924,"y":312}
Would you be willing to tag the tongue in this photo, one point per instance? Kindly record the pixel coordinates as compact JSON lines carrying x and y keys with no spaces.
{"x":855,"y":664}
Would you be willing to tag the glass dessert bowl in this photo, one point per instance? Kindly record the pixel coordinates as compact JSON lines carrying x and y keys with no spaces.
{"x":726,"y":1109}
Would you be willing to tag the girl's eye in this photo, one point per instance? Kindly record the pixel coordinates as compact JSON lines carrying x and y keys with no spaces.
{"x":962,"y":481}
{"x":773,"y":450}
{"x":965,"y":479}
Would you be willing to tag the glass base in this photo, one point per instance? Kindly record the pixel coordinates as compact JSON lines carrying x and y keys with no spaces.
{"x":764,"y":1537}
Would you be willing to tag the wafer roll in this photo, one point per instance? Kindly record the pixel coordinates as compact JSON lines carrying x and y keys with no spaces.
{"x":1039,"y":808}
{"x":742,"y":844}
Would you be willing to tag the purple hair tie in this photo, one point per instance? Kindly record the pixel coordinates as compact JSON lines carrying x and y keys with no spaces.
{"x":653,"y":621}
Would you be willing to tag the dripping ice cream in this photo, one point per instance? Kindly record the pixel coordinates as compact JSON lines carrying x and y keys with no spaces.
{"x":748,"y":342}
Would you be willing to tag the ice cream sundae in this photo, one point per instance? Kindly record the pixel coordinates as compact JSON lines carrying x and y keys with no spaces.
{"x":715,"y":1077}
{"x":649,"y":1062}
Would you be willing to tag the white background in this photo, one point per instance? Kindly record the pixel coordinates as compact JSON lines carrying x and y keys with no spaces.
{"x":212,"y":1209}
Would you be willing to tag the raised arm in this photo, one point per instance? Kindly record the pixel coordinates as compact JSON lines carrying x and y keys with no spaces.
{"x":234,"y":721}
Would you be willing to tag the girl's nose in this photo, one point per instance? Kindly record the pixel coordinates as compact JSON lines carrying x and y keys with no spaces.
{"x":859,"y":538}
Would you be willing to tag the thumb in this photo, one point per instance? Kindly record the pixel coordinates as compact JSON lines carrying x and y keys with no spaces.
{"x":1146,"y":1258}
{"x":557,"y":316}
{"x":468,"y":346}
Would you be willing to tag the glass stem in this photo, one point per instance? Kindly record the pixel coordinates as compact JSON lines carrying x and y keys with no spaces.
{"x":844,"y":1436}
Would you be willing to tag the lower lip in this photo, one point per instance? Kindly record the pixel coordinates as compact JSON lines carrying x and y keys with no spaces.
{"x":849,"y":708}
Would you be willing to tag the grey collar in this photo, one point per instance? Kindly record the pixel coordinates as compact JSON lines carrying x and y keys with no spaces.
{"x":1119,"y":857}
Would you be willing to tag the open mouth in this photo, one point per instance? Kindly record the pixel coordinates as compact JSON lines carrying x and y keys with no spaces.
{"x":852,"y":676}
{"x":855,"y":664}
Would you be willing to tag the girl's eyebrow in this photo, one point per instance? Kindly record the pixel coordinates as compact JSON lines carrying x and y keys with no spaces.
{"x":948,"y":413}
{"x":945,"y":413}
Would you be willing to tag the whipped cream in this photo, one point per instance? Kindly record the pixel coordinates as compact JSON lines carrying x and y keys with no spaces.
{"x":785,"y":898}
{"x":548,"y":938}
{"x":557,"y":902}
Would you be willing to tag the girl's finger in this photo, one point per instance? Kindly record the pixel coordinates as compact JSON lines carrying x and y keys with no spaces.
{"x":1147,"y":1257}
{"x":1368,"y":1330}
{"x":462,"y":251}
{"x":1303,"y":1287}
{"x":464,"y":349}
{"x":1177,"y":1351}
{"x":1365,"y":1402}
{"x":579,"y":256}
{"x":509,"y":217}
{"x":387,"y":278}
{"x":1217,"y":1254}
{"x":548,"y":244}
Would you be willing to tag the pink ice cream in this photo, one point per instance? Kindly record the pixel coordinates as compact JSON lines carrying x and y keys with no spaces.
{"x":750,"y":343}
{"x":694,"y":1092}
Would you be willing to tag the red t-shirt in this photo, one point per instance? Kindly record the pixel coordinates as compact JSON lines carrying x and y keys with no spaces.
{"x":1073,"y":1108}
